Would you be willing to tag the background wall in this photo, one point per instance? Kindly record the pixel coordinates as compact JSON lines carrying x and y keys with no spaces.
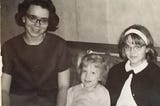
{"x":98,"y":21}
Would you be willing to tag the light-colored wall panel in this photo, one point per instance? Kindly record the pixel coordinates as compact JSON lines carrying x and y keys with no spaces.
{"x":66,"y":11}
{"x":122,"y":13}
{"x":9,"y":27}
{"x":100,"y":21}
{"x":92,"y":20}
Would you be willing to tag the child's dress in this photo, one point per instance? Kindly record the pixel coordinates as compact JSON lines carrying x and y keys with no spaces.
{"x":80,"y":96}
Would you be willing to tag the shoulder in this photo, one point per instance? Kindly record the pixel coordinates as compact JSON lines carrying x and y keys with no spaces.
{"x":101,"y":90}
{"x":103,"y":95}
{"x":153,"y":65}
{"x":118,"y":67}
{"x":54,"y":37}
{"x":12,"y":42}
{"x":75,"y":88}
{"x":14,"y":39}
{"x":153,"y":69}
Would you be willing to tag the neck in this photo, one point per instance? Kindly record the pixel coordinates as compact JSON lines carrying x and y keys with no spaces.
{"x":91,"y":87}
{"x":135,"y":65}
{"x":31,"y":40}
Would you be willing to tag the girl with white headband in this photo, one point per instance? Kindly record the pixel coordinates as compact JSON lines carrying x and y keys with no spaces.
{"x":136,"y":81}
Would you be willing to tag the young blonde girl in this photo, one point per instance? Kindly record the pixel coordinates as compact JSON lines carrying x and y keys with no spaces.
{"x":90,"y":92}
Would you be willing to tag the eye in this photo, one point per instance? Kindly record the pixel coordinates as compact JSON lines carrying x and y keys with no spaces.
{"x":32,"y":17}
{"x":138,"y":46}
{"x":44,"y":20}
{"x":126,"y":47}
{"x":83,"y":71}
{"x":93,"y":72}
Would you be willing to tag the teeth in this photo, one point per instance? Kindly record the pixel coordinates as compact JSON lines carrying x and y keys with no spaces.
{"x":87,"y":81}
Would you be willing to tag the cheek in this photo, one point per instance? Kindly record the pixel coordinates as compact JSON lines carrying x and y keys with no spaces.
{"x":82,"y":76}
{"x":143,"y":54}
{"x":28,"y":24}
{"x":126,"y":53}
{"x":94,"y":77}
{"x":99,"y":77}
{"x":45,"y":27}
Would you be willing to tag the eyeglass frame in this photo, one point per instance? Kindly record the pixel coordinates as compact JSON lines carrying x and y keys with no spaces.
{"x":35,"y":19}
{"x":135,"y":48}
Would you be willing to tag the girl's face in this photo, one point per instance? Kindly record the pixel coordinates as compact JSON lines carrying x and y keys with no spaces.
{"x":36,"y":21}
{"x":90,"y":75}
{"x":134,"y":52}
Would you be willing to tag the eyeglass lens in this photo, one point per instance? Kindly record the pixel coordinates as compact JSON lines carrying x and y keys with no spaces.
{"x":35,"y":19}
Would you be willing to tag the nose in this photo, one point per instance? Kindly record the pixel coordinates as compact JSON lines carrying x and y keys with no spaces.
{"x":87,"y":77}
{"x":132,"y":49}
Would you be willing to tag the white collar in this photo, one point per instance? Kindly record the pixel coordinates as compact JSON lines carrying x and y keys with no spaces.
{"x":136,"y":69}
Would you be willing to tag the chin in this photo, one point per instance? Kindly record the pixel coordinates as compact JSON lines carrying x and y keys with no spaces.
{"x":136,"y":63}
{"x":89,"y":85}
{"x":36,"y":34}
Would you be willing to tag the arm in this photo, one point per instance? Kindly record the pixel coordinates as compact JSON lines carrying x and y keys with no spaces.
{"x":105,"y":101}
{"x":63,"y":85}
{"x":6,"y":82}
{"x":69,"y":97}
{"x":104,"y":97}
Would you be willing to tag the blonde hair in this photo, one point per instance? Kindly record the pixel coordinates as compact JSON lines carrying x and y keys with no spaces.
{"x":96,"y":59}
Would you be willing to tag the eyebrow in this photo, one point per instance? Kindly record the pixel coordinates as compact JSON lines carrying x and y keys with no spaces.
{"x":37,"y":16}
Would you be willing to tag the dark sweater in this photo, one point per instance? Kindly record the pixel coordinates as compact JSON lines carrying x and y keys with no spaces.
{"x":145,"y":85}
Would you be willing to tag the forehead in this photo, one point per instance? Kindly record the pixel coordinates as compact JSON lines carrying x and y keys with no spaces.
{"x":92,"y":66}
{"x":133,"y":39}
{"x":129,"y":40}
{"x":38,"y":11}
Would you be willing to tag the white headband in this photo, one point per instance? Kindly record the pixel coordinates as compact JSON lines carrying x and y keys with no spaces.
{"x":135,"y":31}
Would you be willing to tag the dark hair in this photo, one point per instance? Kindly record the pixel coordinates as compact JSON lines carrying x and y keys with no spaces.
{"x":47,"y":4}
{"x":150,"y":55}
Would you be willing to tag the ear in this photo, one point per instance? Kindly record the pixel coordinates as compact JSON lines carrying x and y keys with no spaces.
{"x":147,"y":50}
{"x":23,"y":19}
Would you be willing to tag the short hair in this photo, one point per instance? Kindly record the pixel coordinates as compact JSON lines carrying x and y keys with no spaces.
{"x":151,"y":55}
{"x":96,"y":59}
{"x":47,"y":4}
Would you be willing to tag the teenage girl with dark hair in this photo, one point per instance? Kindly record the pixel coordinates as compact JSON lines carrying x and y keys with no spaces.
{"x":136,"y":81}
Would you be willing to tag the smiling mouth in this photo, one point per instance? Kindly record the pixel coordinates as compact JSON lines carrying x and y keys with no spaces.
{"x":35,"y":29}
{"x":87,"y":81}
{"x":87,"y":84}
{"x":133,"y":56}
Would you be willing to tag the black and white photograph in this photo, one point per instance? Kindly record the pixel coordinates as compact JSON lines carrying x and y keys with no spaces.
{"x":80,"y":53}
